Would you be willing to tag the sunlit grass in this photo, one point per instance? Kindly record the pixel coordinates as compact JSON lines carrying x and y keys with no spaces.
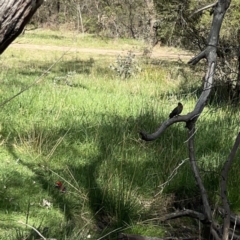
{"x":82,"y":129}
{"x":69,"y":38}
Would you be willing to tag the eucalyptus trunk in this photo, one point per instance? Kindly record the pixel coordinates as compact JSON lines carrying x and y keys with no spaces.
{"x":14,"y":15}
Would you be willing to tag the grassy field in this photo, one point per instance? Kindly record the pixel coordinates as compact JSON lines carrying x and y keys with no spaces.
{"x":79,"y":125}
{"x":67,"y":38}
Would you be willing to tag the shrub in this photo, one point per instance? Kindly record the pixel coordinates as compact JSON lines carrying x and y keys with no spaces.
{"x":126,"y":66}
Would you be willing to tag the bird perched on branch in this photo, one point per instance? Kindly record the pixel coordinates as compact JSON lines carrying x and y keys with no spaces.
{"x":176,"y":111}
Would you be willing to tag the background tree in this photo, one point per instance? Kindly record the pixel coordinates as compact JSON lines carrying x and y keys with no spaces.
{"x":131,"y":19}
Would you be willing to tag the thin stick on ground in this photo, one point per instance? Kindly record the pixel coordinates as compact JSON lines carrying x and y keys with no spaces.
{"x":33,"y":229}
{"x":172,"y":175}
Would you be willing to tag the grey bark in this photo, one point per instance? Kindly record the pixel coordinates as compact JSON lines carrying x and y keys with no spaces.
{"x":210,"y":54}
{"x":225,"y":170}
{"x":14,"y":15}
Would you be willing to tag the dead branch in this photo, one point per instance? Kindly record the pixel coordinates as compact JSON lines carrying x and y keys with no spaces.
{"x":38,"y":80}
{"x":204,"y":8}
{"x":235,"y":219}
{"x":190,"y":116}
{"x":207,"y":209}
{"x":21,"y":222}
{"x":184,"y":213}
{"x":126,"y":236}
{"x":171,"y":176}
{"x":210,"y":53}
{"x":197,"y":176}
{"x":197,"y":58}
{"x":233,"y":236}
{"x":226,"y":167}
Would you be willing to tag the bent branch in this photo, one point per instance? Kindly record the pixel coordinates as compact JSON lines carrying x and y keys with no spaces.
{"x":210,"y":53}
{"x":190,"y":116}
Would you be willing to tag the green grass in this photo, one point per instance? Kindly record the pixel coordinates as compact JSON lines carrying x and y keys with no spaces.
{"x":86,"y":135}
{"x":67,"y":38}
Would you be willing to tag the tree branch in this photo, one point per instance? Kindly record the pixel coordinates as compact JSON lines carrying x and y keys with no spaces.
{"x":235,"y":219}
{"x":184,"y":213}
{"x":210,"y":53}
{"x":190,"y":116}
{"x":226,"y":167}
{"x":204,"y":8}
{"x":197,"y":176}
{"x":197,"y":58}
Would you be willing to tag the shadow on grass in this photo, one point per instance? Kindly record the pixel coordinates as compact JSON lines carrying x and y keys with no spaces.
{"x":121,"y":171}
{"x":116,"y":155}
{"x":65,"y":66}
{"x":34,"y":70}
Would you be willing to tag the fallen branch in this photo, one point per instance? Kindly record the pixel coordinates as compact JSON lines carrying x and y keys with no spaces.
{"x":184,"y":213}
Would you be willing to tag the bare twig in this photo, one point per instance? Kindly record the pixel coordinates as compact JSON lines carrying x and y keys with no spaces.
{"x":235,"y":223}
{"x":172,"y":175}
{"x":190,"y":136}
{"x":109,"y":233}
{"x":33,"y":229}
{"x":233,"y":236}
{"x":126,"y":236}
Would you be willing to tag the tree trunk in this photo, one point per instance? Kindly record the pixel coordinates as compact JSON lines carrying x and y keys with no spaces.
{"x":79,"y":17}
{"x":14,"y":15}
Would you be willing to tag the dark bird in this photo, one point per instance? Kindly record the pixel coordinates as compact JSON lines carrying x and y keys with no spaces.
{"x":176,"y":111}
